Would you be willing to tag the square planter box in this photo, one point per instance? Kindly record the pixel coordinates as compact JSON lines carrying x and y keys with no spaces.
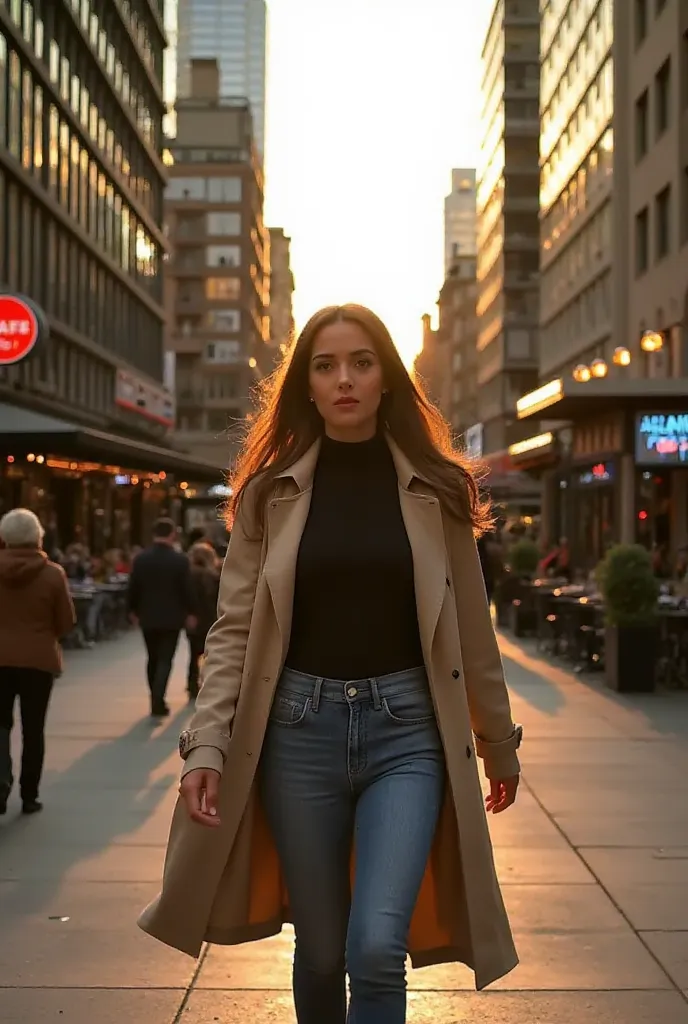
{"x":631,"y":658}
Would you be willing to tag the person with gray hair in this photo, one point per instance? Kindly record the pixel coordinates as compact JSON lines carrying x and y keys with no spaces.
{"x":36,"y":611}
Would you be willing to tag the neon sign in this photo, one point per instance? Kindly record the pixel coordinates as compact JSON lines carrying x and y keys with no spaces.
{"x":661,"y":438}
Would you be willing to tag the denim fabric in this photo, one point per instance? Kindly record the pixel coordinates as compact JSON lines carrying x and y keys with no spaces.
{"x":358,"y":762}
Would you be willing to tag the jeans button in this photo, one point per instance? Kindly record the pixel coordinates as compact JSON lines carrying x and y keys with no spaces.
{"x":352,"y":691}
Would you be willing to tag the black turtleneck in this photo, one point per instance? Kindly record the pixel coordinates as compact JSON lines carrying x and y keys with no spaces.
{"x":354,"y":601}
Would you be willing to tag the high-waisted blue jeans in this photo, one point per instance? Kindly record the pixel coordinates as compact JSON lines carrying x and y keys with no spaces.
{"x":352,"y":763}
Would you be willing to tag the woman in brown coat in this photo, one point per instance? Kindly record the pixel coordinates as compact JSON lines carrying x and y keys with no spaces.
{"x":36,"y":611}
{"x":353,"y":654}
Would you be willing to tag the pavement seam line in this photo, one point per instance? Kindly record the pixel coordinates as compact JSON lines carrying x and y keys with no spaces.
{"x":190,"y":988}
{"x":617,"y":907}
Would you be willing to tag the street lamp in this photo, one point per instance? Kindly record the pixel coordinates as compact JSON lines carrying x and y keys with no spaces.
{"x":652,"y":341}
{"x":622,"y":356}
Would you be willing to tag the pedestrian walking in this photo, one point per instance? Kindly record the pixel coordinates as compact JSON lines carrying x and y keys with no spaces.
{"x":161,"y":602}
{"x":330,"y":776}
{"x":205,"y":580}
{"x":36,"y":611}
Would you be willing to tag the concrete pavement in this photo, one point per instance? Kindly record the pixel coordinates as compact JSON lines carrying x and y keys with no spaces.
{"x":593,"y":860}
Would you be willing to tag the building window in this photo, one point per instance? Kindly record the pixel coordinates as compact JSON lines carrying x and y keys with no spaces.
{"x":223,"y":288}
{"x":223,"y":352}
{"x":224,"y":190}
{"x":222,"y":385}
{"x":642,"y":110}
{"x":663,"y":98}
{"x":224,"y":223}
{"x":642,"y":241}
{"x":223,"y":256}
{"x":640,"y":21}
{"x":663,"y":223}
{"x":224,"y":319}
{"x":186,"y":188}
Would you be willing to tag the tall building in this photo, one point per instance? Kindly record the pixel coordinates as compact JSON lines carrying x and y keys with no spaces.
{"x":508,"y":229}
{"x":83,"y":419}
{"x":460,"y":217}
{"x":235,"y":33}
{"x":458,"y":333}
{"x":281,"y":311}
{"x":577,"y":152}
{"x":614,"y":352}
{"x":218,"y":276}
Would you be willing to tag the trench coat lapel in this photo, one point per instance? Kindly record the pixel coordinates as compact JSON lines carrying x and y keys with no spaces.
{"x":422,"y":516}
{"x":286,"y":520}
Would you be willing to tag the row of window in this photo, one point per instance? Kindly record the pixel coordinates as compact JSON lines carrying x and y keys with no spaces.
{"x":228,"y":320}
{"x":206,"y":190}
{"x":662,"y":110}
{"x":565,"y":149}
{"x":210,"y":421}
{"x":36,"y":133}
{"x":41,"y":258}
{"x":582,"y":189}
{"x":75,"y":377}
{"x":585,"y":254}
{"x":564,"y":21}
{"x":575,"y":53}
{"x":588,"y":315}
{"x":41,"y":20}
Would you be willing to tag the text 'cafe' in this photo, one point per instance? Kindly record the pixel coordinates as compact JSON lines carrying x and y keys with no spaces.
{"x":612,"y":456}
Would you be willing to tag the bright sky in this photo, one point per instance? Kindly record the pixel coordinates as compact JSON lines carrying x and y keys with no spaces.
{"x":370,"y":104}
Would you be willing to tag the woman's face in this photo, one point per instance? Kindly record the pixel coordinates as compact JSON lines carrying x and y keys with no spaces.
{"x":345,"y":381}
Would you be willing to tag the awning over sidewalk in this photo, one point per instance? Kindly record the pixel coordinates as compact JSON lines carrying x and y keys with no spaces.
{"x":566,"y":399}
{"x":23,"y":431}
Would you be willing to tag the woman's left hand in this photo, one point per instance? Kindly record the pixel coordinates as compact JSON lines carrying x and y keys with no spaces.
{"x":502,"y":794}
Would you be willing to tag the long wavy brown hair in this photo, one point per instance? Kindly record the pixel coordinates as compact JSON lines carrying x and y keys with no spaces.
{"x":287,"y":424}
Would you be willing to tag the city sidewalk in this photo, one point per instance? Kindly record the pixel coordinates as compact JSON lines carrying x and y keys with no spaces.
{"x":593,"y":860}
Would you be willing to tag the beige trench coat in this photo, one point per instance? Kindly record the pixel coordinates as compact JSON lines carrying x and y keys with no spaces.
{"x":224,"y":885}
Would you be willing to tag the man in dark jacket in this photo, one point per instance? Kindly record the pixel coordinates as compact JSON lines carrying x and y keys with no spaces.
{"x":161,"y":602}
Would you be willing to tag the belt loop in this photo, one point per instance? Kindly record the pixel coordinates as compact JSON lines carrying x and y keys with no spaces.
{"x":316,"y":693}
{"x":377,"y":703}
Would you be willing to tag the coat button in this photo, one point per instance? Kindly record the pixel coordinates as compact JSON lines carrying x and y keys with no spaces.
{"x":455,"y":674}
{"x":468,"y":752}
{"x":448,"y":581}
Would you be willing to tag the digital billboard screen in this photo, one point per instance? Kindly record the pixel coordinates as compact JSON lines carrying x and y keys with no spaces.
{"x":661,"y":439}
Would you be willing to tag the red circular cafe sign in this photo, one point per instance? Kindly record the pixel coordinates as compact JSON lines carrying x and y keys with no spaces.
{"x":19,"y":329}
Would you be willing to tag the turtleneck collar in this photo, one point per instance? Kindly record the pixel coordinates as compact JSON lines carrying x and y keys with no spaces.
{"x":348,"y":452}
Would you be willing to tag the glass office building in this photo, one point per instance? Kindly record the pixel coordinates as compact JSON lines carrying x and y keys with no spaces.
{"x":234,"y":33}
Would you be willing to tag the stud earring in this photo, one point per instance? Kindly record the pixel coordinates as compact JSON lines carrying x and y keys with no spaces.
{"x":312,"y":400}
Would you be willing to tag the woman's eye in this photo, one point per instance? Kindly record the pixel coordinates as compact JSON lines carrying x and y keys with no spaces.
{"x":364,"y":362}
{"x":323,"y":366}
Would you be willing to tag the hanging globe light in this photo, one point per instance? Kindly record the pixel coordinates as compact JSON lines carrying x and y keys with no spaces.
{"x":582,"y":373}
{"x":652,"y":341}
{"x":598,"y":368}
{"x":622,"y":356}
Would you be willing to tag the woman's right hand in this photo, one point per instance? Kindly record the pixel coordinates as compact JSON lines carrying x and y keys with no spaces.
{"x":199,"y":790}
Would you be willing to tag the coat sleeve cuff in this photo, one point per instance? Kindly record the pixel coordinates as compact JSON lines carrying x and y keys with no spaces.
{"x":501,"y":759}
{"x":203,"y":757}
{"x":209,"y":736}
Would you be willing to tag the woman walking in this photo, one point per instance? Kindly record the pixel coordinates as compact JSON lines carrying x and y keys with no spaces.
{"x":205,"y":581}
{"x":36,"y":611}
{"x":353,"y":659}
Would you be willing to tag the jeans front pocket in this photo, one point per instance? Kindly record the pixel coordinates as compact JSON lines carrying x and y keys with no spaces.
{"x":289,"y":709}
{"x":414,"y":707}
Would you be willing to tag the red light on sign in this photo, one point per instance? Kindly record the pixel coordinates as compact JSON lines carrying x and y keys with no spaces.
{"x":600,"y":470}
{"x":18,"y":329}
{"x":642,"y":515}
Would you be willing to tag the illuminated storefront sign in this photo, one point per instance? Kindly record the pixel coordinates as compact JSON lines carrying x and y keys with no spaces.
{"x":149,"y":400}
{"x":661,"y":439}
{"x":600,"y":473}
{"x":22,"y":325}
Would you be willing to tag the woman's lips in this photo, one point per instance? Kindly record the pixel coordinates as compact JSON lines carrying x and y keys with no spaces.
{"x":344,"y":403}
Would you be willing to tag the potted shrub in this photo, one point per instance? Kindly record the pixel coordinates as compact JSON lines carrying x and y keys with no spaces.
{"x":630,"y":593}
{"x":523,"y":561}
